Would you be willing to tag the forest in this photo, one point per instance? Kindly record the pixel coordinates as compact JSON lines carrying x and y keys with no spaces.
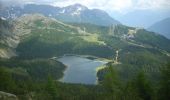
{"x":42,"y":86}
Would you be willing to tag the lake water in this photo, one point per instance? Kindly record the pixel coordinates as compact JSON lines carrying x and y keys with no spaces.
{"x":80,"y":70}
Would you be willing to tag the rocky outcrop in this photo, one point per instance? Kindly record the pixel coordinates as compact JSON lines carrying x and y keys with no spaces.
{"x":7,"y":53}
{"x":7,"y":96}
{"x":8,"y":40}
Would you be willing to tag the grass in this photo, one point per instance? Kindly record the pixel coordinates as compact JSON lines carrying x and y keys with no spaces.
{"x":93,"y":38}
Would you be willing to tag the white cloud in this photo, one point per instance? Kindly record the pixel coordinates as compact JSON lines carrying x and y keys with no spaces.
{"x":153,"y":4}
{"x":117,"y":5}
{"x":108,"y":5}
{"x":121,"y":6}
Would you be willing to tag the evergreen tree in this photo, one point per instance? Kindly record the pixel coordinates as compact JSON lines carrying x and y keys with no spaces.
{"x":7,"y":84}
{"x":143,"y":86}
{"x":129,"y":92}
{"x":51,"y":88}
{"x":164,"y":91}
{"x":111,"y":84}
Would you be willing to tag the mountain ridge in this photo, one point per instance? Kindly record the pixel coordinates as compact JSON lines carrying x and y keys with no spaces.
{"x":74,"y":13}
{"x":99,"y":35}
{"x":141,"y":18}
{"x":161,"y":27}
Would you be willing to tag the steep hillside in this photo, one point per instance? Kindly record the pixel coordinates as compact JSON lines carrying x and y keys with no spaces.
{"x":8,"y":41}
{"x":161,"y":27}
{"x":129,"y":35}
{"x":48,"y":37}
{"x":137,"y":48}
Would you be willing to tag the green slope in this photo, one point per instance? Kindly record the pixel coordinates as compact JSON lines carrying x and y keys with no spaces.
{"x":52,"y":38}
{"x":45,"y":38}
{"x":42,"y":38}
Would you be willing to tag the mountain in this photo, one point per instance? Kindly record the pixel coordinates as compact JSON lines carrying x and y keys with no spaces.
{"x":81,"y":14}
{"x":161,"y":27}
{"x":41,"y":39}
{"x":141,"y":18}
{"x":74,"y":13}
{"x":48,"y":37}
{"x":40,"y":36}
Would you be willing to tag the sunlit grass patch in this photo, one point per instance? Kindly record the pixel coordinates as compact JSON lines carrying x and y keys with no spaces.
{"x":93,"y":38}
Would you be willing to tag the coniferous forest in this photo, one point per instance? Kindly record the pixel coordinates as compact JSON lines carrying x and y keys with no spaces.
{"x":73,"y":52}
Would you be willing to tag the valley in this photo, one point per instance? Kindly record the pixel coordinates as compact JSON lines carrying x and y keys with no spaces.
{"x":75,"y":55}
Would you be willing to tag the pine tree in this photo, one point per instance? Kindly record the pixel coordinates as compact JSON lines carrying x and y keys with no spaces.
{"x":111,"y":84}
{"x":7,"y":84}
{"x":143,"y":86}
{"x":51,"y":88}
{"x":129,"y":92}
{"x":164,"y":91}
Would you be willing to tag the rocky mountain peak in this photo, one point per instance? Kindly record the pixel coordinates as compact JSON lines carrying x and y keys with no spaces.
{"x":74,"y":10}
{"x":77,"y":6}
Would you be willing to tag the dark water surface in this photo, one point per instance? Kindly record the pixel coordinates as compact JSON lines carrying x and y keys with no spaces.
{"x":80,"y":70}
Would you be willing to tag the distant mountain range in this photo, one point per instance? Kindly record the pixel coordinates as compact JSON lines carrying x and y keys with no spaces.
{"x":74,"y":13}
{"x":141,"y":18}
{"x":162,"y":27}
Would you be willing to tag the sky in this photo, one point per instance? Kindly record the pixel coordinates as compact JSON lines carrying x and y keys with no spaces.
{"x":120,"y":6}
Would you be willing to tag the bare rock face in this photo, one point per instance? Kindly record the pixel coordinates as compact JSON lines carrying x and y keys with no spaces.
{"x":7,"y":96}
{"x":8,"y":40}
{"x":7,"y":53}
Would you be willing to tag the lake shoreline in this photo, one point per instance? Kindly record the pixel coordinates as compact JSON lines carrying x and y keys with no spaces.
{"x":96,"y":60}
